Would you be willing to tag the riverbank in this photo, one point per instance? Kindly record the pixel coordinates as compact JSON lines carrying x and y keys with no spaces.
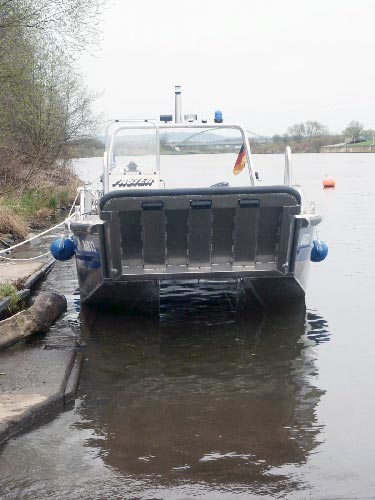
{"x":18,"y":279}
{"x":29,"y":205}
{"x":34,"y":381}
{"x":37,"y":376}
{"x":256,"y":148}
{"x":90,"y":148}
{"x":21,"y":268}
{"x":348,"y":148}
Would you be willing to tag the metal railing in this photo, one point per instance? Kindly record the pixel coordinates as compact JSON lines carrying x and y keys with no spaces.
{"x":288,"y":167}
{"x":147,"y":124}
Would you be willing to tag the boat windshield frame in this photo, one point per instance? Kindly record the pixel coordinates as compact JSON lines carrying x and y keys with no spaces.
{"x":115,"y":126}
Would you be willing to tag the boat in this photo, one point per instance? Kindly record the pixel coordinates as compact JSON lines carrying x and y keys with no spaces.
{"x":139,"y":231}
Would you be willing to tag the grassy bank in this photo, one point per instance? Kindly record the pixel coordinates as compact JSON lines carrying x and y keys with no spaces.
{"x":29,"y":206}
{"x":9,"y":290}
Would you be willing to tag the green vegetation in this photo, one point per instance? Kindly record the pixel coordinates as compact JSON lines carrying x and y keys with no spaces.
{"x":8,"y":290}
{"x":33,"y":200}
{"x":30,"y":207}
{"x":362,"y":144}
{"x":43,"y":104}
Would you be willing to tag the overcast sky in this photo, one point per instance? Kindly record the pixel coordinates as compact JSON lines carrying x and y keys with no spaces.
{"x":265,"y":63}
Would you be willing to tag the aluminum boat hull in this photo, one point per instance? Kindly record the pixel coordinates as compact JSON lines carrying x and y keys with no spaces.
{"x":258,"y":236}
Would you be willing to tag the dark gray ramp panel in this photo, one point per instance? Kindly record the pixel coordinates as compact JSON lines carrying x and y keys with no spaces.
{"x":131,"y":237}
{"x":153,"y":234}
{"x":268,"y":234}
{"x":177,"y":231}
{"x":200,"y":229}
{"x":222,"y":235}
{"x":246,"y":232}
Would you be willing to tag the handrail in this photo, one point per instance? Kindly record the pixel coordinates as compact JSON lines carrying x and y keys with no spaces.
{"x":7,"y":250}
{"x":145,"y":124}
{"x":288,"y":167}
{"x":110,"y":143}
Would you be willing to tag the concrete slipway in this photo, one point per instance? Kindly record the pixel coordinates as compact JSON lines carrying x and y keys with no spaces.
{"x":38,"y":376}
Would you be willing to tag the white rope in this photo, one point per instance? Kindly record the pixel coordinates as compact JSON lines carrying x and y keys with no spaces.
{"x":73,"y":205}
{"x":36,"y":236}
{"x":29,"y":258}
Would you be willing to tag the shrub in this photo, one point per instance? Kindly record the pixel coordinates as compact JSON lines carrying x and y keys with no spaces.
{"x":8,"y":290}
{"x":10,"y":222}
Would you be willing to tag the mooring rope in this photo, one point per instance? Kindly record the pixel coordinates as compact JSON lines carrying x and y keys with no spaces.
{"x":73,"y":205}
{"x":36,"y":236}
{"x":25,"y":259}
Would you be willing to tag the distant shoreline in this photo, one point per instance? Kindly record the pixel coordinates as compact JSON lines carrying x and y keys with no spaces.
{"x":90,"y":148}
{"x":254,"y":151}
{"x":348,"y":149}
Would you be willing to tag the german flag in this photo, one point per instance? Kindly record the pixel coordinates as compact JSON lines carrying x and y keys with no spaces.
{"x":240,"y":162}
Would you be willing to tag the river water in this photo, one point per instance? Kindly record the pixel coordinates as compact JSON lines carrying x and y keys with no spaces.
{"x":202,"y":403}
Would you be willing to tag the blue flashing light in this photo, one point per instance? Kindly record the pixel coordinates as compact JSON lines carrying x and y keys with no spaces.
{"x":218,"y":117}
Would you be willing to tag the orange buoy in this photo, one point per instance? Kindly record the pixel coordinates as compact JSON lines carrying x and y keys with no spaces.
{"x":329,"y":182}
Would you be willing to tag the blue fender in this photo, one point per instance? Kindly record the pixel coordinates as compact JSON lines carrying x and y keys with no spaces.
{"x":63,"y":248}
{"x":319,"y":251}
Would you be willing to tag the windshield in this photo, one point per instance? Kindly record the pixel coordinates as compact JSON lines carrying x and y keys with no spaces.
{"x":189,"y":157}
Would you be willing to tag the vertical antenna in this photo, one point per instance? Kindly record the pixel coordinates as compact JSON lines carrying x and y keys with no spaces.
{"x":177,"y":107}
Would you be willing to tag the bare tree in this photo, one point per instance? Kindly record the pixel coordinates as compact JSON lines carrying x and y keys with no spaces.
{"x":354,"y":130}
{"x":45,"y":110}
{"x":297,"y":131}
{"x":70,"y":23}
{"x":315,"y":129}
{"x":43,"y":104}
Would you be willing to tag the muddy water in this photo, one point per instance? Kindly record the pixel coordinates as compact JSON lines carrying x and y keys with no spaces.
{"x":207,"y":403}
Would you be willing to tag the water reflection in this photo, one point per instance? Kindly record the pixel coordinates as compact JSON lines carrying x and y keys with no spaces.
{"x":202,"y":398}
